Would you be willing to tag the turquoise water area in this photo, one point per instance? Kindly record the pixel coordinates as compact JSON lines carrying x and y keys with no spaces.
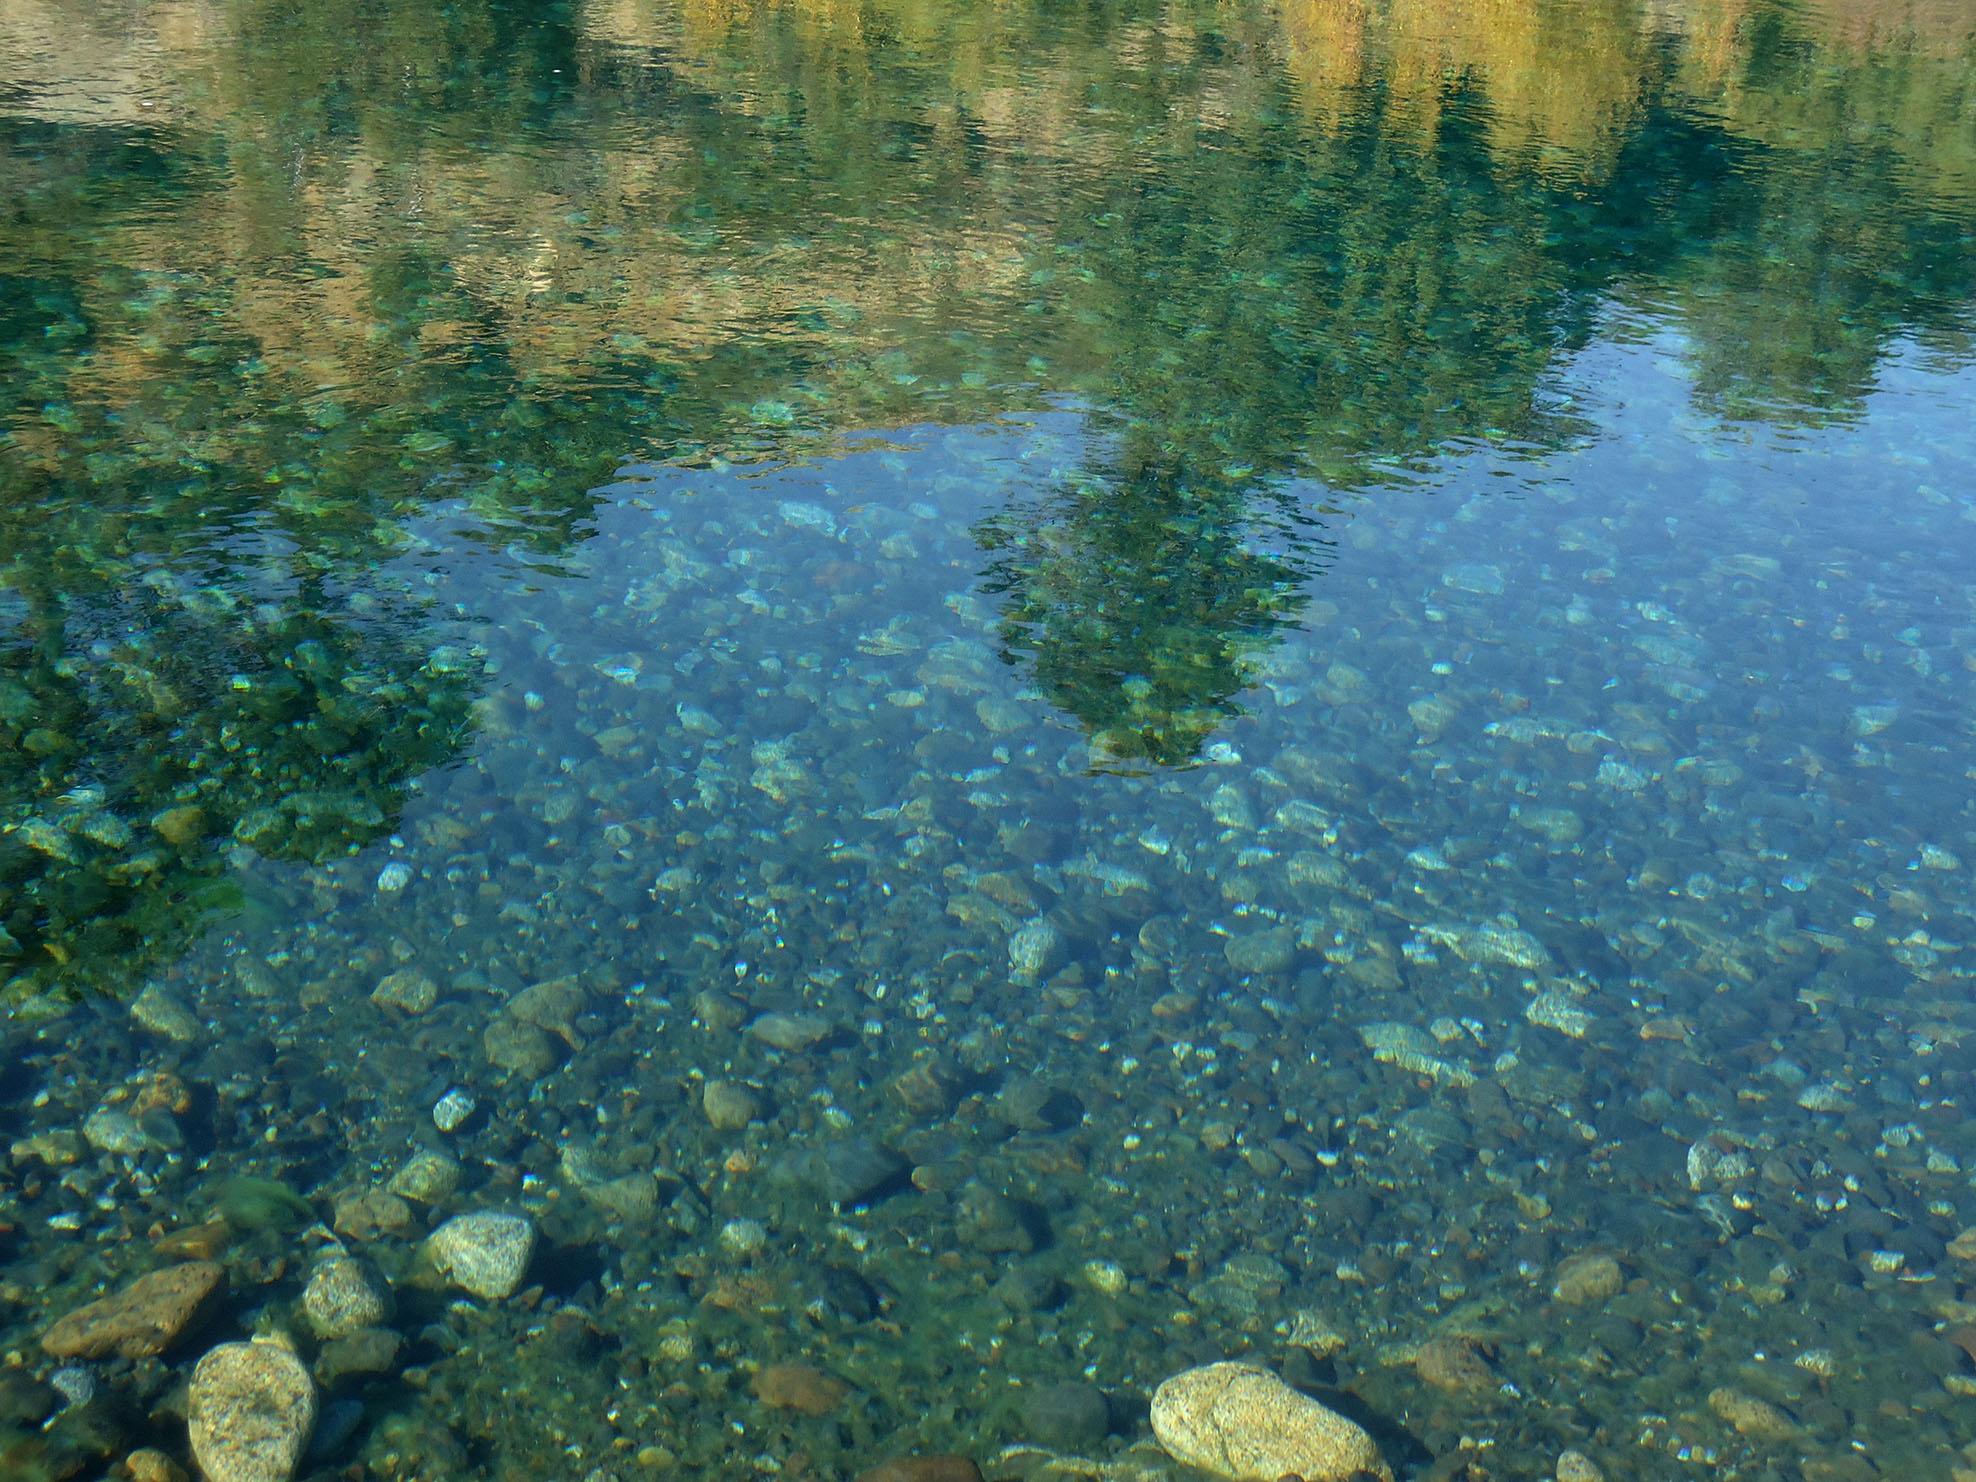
{"x":987,"y":701}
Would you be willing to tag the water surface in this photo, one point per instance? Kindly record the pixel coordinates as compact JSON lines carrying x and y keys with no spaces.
{"x":1262,"y":678}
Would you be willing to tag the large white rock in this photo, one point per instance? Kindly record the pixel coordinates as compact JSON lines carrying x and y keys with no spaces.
{"x":1244,"y":1424}
{"x":252,"y":1409}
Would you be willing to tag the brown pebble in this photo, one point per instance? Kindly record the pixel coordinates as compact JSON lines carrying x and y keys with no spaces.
{"x":800,"y":1387}
{"x":153,"y":1466}
{"x":139,"y":1321}
{"x":1453,"y":1364}
{"x":923,"y":1469}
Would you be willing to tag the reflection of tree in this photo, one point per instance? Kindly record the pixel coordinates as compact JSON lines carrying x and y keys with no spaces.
{"x":1141,"y":604}
{"x":1843,"y":227}
{"x":491,"y":211}
{"x":1380,"y":303}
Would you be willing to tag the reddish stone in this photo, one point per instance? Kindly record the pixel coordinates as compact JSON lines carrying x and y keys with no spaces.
{"x":143,"y":1319}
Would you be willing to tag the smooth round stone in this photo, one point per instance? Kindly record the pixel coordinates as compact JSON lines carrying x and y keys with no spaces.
{"x":1271,"y":950}
{"x":730,"y":1106}
{"x":1071,"y":1417}
{"x":345,"y":1294}
{"x":484,"y":1253}
{"x":1243,"y":1424}
{"x":252,"y":1409}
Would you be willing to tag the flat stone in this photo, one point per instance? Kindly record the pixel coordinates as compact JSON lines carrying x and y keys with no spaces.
{"x":252,"y":1409}
{"x":518,"y":1048}
{"x":552,"y":1007}
{"x":142,"y":1320}
{"x":857,"y":1169}
{"x":790,"y":1032}
{"x":926,"y":1088}
{"x":992,"y":1223}
{"x":1453,"y":1364}
{"x":1243,"y":1424}
{"x":206,"y":1241}
{"x":631,"y":1198}
{"x":1749,"y":1416}
{"x":484,"y":1253}
{"x":111,"y":1129}
{"x":58,"y":1149}
{"x":799,"y":1387}
{"x":1270,"y":950}
{"x":729,"y":1105}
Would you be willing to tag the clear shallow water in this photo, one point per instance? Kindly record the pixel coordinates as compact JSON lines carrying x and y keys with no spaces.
{"x":1324,"y":654}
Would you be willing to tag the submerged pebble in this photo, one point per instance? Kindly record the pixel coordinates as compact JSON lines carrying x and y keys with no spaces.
{"x":485,"y":1253}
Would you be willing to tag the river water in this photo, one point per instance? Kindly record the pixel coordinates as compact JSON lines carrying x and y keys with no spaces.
{"x":989,"y":700}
